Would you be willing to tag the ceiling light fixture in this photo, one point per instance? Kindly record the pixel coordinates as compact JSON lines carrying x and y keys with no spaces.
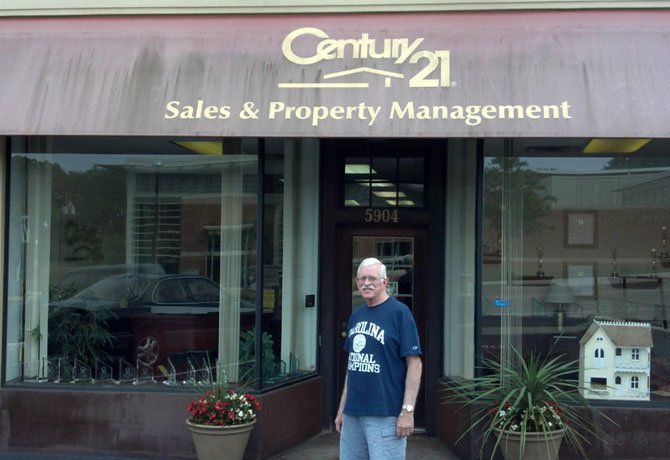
{"x":358,"y":169}
{"x":406,"y":203}
{"x":623,"y":145}
{"x":382,"y":194}
{"x":369,"y":183}
{"x":203,"y":147}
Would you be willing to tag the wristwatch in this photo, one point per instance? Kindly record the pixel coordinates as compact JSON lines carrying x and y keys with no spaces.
{"x":408,"y":408}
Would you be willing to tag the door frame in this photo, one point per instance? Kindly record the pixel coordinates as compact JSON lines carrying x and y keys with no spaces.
{"x":334,"y":215}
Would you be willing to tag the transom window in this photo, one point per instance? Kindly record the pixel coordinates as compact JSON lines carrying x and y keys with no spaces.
{"x":384,"y":182}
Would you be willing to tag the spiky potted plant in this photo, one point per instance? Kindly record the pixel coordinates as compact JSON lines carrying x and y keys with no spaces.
{"x":527,"y":408}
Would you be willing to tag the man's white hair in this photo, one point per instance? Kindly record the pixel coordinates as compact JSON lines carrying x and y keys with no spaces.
{"x":372,"y":261}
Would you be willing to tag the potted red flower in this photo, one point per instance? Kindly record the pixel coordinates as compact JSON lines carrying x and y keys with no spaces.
{"x":221,"y":420}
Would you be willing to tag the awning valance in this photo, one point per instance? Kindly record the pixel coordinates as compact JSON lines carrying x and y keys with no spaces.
{"x":576,"y":74}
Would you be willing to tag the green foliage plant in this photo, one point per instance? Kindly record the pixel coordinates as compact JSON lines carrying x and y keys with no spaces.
{"x":83,"y":334}
{"x":538,"y":394}
{"x":248,"y":356}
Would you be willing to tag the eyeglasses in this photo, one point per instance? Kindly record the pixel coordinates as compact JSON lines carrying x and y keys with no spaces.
{"x":369,"y":279}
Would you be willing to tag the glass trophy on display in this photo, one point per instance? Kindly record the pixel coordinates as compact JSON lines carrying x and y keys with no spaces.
{"x":171,"y":374}
{"x":127,"y":372}
{"x":191,"y":373}
{"x":145,"y":373}
{"x":81,"y":372}
{"x":293,"y":364}
{"x":103,"y":371}
{"x":205,"y":373}
{"x":42,"y":371}
{"x":221,"y":375}
{"x":67,"y":368}
{"x":49,"y":370}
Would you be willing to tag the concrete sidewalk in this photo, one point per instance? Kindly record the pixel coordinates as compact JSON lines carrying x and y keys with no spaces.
{"x":322,"y":447}
{"x":43,"y":455}
{"x":326,"y":447}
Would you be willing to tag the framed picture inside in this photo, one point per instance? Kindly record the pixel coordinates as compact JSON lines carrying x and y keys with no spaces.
{"x":582,"y":278}
{"x":580,"y":229}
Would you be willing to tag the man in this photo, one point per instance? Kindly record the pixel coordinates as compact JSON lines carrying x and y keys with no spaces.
{"x":376,"y":413}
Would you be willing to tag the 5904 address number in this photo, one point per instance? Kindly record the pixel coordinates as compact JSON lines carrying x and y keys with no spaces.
{"x":376,"y":215}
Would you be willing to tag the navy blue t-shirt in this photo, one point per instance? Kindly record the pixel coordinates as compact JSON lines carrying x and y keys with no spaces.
{"x":380,"y":338}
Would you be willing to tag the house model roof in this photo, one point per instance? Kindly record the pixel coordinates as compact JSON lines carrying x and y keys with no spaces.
{"x":622,"y":333}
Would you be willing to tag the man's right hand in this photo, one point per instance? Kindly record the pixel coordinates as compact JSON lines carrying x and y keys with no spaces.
{"x":338,"y":421}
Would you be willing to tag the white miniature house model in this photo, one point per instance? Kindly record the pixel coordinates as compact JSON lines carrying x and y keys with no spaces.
{"x":615,"y":360}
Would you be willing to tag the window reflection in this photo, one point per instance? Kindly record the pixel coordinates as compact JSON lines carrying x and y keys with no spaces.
{"x":135,"y":262}
{"x":595,"y":229}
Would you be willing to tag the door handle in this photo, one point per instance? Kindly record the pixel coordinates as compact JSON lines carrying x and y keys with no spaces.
{"x":343,"y":333}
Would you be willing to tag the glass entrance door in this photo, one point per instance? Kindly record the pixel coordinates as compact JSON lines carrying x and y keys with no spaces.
{"x":397,"y":253}
{"x":402,"y":251}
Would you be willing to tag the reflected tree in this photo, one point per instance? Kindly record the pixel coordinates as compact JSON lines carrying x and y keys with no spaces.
{"x":536,"y":200}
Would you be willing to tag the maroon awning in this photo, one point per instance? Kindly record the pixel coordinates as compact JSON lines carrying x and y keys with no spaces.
{"x":517,"y":74}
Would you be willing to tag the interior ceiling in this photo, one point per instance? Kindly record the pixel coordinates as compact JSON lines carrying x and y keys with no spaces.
{"x":119,"y":145}
{"x":574,"y":146}
{"x":166,"y":146}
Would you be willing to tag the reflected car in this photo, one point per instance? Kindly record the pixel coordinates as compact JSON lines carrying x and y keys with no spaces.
{"x":80,"y":278}
{"x":151,"y":316}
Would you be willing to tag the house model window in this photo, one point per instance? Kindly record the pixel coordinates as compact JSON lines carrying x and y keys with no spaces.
{"x":635,"y":382}
{"x":599,"y":383}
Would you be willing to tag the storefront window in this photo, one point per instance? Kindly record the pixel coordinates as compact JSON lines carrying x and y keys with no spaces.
{"x":576,"y":259}
{"x":134,"y":261}
{"x":290,"y":248}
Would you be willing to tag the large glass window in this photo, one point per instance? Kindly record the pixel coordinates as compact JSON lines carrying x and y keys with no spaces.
{"x":135,"y":260}
{"x":576,"y":259}
{"x":290,"y":249}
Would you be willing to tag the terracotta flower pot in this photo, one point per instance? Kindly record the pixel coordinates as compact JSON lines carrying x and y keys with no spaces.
{"x":217,"y":442}
{"x":539,"y":445}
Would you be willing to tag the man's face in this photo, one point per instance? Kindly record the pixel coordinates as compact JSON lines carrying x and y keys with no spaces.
{"x":371,"y":286}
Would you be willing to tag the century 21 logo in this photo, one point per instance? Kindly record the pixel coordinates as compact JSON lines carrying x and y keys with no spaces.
{"x":432,"y":66}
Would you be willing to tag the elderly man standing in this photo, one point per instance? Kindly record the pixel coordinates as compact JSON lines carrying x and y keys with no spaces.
{"x":376,"y":412}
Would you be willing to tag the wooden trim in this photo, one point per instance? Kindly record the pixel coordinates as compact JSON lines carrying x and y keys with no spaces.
{"x":426,"y":223}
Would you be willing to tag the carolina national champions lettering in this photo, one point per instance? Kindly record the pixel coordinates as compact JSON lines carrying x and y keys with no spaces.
{"x":366,"y":60}
{"x":359,"y":361}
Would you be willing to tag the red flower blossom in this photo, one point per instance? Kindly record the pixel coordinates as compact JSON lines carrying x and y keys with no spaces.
{"x":225,"y":407}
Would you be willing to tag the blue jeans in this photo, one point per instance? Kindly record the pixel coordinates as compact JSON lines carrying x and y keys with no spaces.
{"x":371,"y":438}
